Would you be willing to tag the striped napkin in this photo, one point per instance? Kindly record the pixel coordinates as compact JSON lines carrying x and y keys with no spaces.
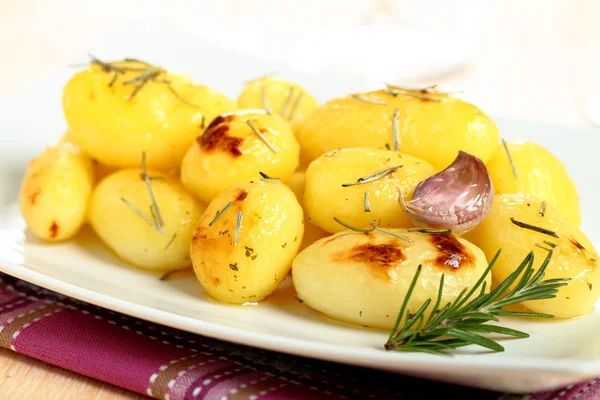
{"x":168,"y":364}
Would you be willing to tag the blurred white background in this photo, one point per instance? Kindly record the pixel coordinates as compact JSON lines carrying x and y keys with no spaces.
{"x":536,"y":60}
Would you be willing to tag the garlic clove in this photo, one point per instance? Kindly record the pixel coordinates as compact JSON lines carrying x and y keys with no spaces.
{"x":457,"y":198}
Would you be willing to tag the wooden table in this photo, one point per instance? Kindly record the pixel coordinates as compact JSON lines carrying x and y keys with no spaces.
{"x":534,"y":60}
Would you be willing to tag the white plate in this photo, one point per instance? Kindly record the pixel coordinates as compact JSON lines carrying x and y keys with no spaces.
{"x":558,"y":353}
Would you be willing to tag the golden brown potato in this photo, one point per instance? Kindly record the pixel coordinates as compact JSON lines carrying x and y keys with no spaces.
{"x":114,"y":123}
{"x":279,"y":96}
{"x":432,"y":130}
{"x":55,"y":192}
{"x":270,"y":232}
{"x":231,"y":151}
{"x":364,"y":278}
{"x":573,"y":256}
{"x":312,"y":233}
{"x":539,"y":174}
{"x":114,"y":214}
{"x":325,"y":196}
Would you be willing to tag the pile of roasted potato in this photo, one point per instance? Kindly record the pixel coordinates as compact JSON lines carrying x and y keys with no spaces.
{"x":172,"y":174}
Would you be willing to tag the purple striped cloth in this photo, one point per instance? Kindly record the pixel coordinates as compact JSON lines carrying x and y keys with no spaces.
{"x":165,"y":363}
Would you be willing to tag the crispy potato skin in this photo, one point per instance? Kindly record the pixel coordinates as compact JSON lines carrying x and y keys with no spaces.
{"x":325,"y":197}
{"x":433,"y":131}
{"x":539,"y":174}
{"x":269,"y":238}
{"x":312,"y":233}
{"x":229,"y":152}
{"x":573,"y":257}
{"x":131,"y":237}
{"x":363,"y":278}
{"x":115,"y":129}
{"x":55,"y":192}
{"x":288,"y":99}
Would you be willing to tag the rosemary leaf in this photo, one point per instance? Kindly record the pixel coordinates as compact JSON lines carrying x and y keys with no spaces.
{"x":510,"y":159}
{"x":140,"y":213}
{"x":263,"y":97}
{"x":170,"y":242}
{"x":394,"y":234}
{"x":295,"y":105}
{"x":169,"y":274}
{"x":238,"y":227}
{"x":395,"y":134}
{"x":534,"y":228}
{"x":543,"y":208}
{"x":260,"y":135}
{"x":369,"y":101}
{"x":156,"y":210}
{"x":367,"y":203}
{"x":372,"y":177}
{"x":430,"y":230}
{"x":287,"y":101}
{"x":220,"y":213}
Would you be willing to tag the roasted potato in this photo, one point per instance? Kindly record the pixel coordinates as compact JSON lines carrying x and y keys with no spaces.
{"x":433,"y":130}
{"x":55,"y":192}
{"x":312,"y":233}
{"x":115,"y":209}
{"x":538,"y":173}
{"x":231,"y":151}
{"x":114,"y":122}
{"x":269,"y":221}
{"x":573,"y":256}
{"x":325,"y":196}
{"x":279,"y":96}
{"x":364,"y":278}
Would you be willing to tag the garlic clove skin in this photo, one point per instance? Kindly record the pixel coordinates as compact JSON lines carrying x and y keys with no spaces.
{"x":457,"y":198}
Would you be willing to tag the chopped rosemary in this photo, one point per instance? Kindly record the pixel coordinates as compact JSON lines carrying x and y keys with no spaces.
{"x":430,"y":230}
{"x":462,"y":319}
{"x":203,"y":122}
{"x":553,"y":245}
{"x":298,"y":299}
{"x":170,"y":242}
{"x":395,"y":135}
{"x":534,"y":228}
{"x":233,"y":267}
{"x":542,"y":246}
{"x":543,"y":208}
{"x":283,"y":245}
{"x":238,"y":227}
{"x":367,"y":203}
{"x":260,"y":135}
{"x":372,"y":177}
{"x":220,"y":213}
{"x":295,"y":105}
{"x":267,"y":177}
{"x":510,"y":159}
{"x":249,"y":251}
{"x":373,"y":227}
{"x":369,"y":101}
{"x":263,"y":97}
{"x":169,"y":274}
{"x":287,"y":102}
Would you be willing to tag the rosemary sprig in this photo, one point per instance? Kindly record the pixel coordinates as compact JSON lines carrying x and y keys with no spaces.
{"x":534,"y":228}
{"x":373,"y":227}
{"x":260,"y":135}
{"x":543,"y":208}
{"x":367,"y":202}
{"x":510,"y":159}
{"x":369,"y":101}
{"x":395,"y":135}
{"x":372,"y":177}
{"x":459,"y":323}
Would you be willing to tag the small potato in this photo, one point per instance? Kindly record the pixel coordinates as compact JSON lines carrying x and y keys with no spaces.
{"x":364,"y":278}
{"x":230,"y":151}
{"x":133,"y":237}
{"x":432,"y":130}
{"x":55,"y":192}
{"x":539,"y":174}
{"x":326,"y":198}
{"x":573,"y":257}
{"x":115,"y":128}
{"x":270,"y":232}
{"x":282,"y":97}
{"x":312,"y":233}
